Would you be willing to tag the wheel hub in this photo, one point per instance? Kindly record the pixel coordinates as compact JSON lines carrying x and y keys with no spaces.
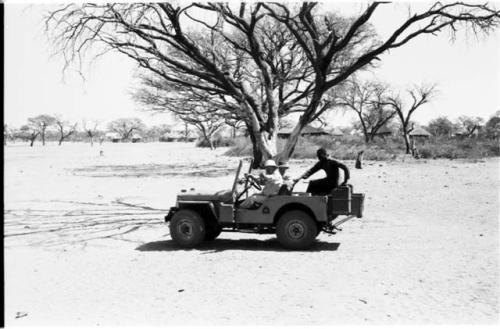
{"x":185,"y":228}
{"x":296,"y":229}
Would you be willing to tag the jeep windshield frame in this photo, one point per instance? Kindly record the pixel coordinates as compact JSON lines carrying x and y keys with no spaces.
{"x":234,"y":190}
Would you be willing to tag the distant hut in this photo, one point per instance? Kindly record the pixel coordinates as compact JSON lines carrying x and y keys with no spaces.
{"x":113,"y":137}
{"x":419,"y":134}
{"x":284,"y":133}
{"x":307,"y":131}
{"x":178,"y":136}
{"x":136,"y":138}
{"x":170,"y":137}
{"x":164,"y":137}
{"x":384,"y":132}
{"x":312,"y":131}
{"x":336,"y":132}
{"x":463,"y":133}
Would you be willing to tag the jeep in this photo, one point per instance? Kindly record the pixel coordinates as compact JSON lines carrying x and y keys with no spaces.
{"x":295,"y":217}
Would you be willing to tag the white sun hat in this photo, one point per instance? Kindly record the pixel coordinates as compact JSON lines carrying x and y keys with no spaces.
{"x":270,"y":163}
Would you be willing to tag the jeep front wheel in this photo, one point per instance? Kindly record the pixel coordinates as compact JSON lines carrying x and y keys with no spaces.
{"x":212,"y":232}
{"x":187,"y":228}
{"x":296,"y":230}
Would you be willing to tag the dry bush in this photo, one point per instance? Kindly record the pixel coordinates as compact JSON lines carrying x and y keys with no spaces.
{"x":347,"y":148}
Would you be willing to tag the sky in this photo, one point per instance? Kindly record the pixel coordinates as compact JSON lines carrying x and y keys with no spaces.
{"x":467,"y":72}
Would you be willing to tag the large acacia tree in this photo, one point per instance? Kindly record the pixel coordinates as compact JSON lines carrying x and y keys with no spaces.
{"x":179,"y":44}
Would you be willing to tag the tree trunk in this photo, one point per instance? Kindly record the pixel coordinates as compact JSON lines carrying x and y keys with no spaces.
{"x":264,"y":147}
{"x":91,"y":141}
{"x":257,"y":152}
{"x":211,"y":143}
{"x":287,"y":151}
{"x":43,"y":138}
{"x":407,"y":142}
{"x":32,"y":142}
{"x":264,"y":144}
{"x":60,"y":141}
{"x":359,"y":160}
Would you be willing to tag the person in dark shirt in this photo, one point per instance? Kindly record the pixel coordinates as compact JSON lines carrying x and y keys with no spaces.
{"x":331,"y":167}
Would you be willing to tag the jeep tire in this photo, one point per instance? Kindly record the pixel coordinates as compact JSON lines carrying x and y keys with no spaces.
{"x":296,"y":230}
{"x":187,"y":228}
{"x":212,"y":232}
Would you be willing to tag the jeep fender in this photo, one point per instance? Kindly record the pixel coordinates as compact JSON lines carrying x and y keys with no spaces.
{"x":298,"y":206}
{"x":205,"y":208}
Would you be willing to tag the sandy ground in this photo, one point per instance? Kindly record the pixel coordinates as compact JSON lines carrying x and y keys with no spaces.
{"x":85,"y":244}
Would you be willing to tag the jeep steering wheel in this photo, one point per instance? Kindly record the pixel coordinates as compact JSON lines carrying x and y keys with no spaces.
{"x":249,"y":180}
{"x":253,"y":182}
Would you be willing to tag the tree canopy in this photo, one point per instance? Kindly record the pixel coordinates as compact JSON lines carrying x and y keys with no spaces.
{"x":257,"y":61}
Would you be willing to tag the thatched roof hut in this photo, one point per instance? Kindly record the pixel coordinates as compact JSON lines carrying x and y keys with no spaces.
{"x":307,"y":131}
{"x":420,"y":132}
{"x":336,"y":132}
{"x":136,"y":138}
{"x":384,"y":132}
{"x":114,"y":137}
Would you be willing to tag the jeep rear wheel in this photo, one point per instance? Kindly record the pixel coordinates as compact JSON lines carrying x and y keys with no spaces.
{"x":296,"y":230}
{"x":187,"y":228}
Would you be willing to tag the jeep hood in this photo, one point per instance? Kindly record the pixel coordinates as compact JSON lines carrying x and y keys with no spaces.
{"x":195,"y":195}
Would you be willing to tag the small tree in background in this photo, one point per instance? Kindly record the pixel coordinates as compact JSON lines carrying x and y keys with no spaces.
{"x":125,"y":127}
{"x":29,"y":133}
{"x":65,"y":129}
{"x":42,"y":122}
{"x":492,"y":126}
{"x":405,"y":107}
{"x":155,"y":132}
{"x":90,"y":130}
{"x":208,"y":125}
{"x":370,"y":101}
{"x":469,"y":124}
{"x":441,"y":126}
{"x":235,"y":125}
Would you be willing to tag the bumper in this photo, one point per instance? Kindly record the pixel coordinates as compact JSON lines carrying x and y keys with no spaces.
{"x":170,"y":214}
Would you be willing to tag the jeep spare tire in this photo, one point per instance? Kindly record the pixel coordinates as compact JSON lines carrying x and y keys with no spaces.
{"x":296,"y":230}
{"x":187,"y":228}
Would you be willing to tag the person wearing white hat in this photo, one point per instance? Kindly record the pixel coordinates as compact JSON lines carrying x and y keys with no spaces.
{"x":288,"y":182}
{"x":272,"y":181}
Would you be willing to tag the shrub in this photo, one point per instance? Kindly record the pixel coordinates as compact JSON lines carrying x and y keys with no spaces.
{"x":242,"y":147}
{"x":347,"y":148}
{"x":218,"y":141}
{"x":459,"y":148}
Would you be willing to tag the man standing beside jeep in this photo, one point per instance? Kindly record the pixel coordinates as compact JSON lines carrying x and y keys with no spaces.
{"x":331,"y":167}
